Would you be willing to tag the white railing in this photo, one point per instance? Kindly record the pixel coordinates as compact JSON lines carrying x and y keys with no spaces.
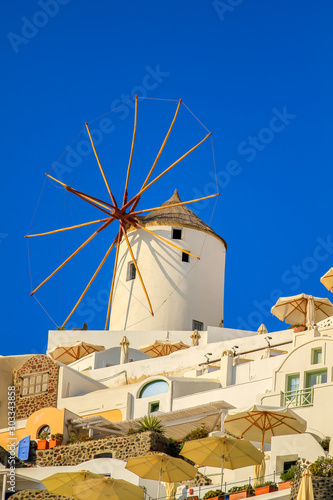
{"x":300,"y":397}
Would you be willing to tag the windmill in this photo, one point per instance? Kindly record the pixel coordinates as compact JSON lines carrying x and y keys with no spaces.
{"x":125,"y":213}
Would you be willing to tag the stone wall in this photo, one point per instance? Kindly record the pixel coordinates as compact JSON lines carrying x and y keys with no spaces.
{"x":37,"y":495}
{"x":26,"y":405}
{"x":121,"y":447}
{"x":322,"y":488}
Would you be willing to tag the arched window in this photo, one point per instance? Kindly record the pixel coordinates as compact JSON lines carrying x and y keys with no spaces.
{"x":44,"y":428}
{"x":153,"y":388}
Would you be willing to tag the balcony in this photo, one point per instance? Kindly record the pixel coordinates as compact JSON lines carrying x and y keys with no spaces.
{"x":297,"y":398}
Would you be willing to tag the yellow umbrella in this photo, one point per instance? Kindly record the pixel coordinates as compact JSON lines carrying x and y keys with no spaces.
{"x":222,"y":451}
{"x":302,"y":308}
{"x":161,"y":467}
{"x":305,"y":491}
{"x":107,"y":488}
{"x":261,"y":423}
{"x":162,"y":347}
{"x":62,"y":482}
{"x":71,"y":351}
{"x":327,"y":280}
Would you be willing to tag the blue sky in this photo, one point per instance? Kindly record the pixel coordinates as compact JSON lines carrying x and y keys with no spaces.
{"x":258,"y":74}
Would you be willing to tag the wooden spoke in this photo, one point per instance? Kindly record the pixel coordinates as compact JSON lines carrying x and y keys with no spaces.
{"x":90,"y":199}
{"x":89,"y":284}
{"x":100,"y":167}
{"x":163,"y":144}
{"x":112,"y":287}
{"x":67,"y":260}
{"x":165,"y":171}
{"x":163,"y":207}
{"x":66,"y":228}
{"x":132,"y":149}
{"x":167,"y":241}
{"x":138,"y":271}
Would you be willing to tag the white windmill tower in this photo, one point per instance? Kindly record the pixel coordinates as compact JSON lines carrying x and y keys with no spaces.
{"x":185,"y":293}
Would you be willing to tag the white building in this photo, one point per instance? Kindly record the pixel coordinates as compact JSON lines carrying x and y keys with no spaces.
{"x":198,"y":384}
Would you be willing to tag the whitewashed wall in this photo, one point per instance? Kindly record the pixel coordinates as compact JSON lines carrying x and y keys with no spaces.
{"x":179,"y":291}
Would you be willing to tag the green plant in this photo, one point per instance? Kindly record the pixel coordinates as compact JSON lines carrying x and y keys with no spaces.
{"x":175,"y":447}
{"x":245,"y":487}
{"x":61,"y":328}
{"x":325,"y":443}
{"x":59,"y":436}
{"x":44,"y":435}
{"x":267,"y":483}
{"x":296,"y":325}
{"x":72,"y":438}
{"x":150,"y":423}
{"x":198,"y":433}
{"x":287,"y":475}
{"x":214,"y":493}
{"x":322,"y":467}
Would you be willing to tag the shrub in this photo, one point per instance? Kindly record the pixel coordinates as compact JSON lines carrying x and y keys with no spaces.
{"x":214,"y":493}
{"x":59,"y":436}
{"x":325,"y":443}
{"x":198,"y":433}
{"x":150,"y":423}
{"x":322,"y":467}
{"x":72,"y":438}
{"x":44,"y":435}
{"x":288,"y":475}
{"x":245,"y":487}
{"x":175,"y":447}
{"x":267,"y":483}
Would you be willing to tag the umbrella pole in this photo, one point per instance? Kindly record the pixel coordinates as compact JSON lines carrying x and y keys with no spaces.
{"x":222,"y":466}
{"x":159,"y":486}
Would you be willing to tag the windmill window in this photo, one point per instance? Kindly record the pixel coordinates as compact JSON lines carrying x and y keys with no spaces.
{"x":197,"y":325}
{"x":176,"y":234}
{"x":131,"y":271}
{"x":185,"y":257}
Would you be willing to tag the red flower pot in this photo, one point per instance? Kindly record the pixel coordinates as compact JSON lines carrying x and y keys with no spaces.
{"x":240,"y":494}
{"x":284,"y":486}
{"x":54,"y":442}
{"x":264,"y":489}
{"x":42,"y":444}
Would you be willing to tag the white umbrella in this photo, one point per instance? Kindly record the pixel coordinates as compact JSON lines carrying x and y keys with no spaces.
{"x":327,"y":280}
{"x":302,"y":308}
{"x":71,"y":351}
{"x":162,"y":347}
{"x":261,"y":423}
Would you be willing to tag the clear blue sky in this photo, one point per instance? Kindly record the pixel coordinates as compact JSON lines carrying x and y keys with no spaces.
{"x":258,"y":74}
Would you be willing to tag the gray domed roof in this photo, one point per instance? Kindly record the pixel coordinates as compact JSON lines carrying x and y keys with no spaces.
{"x":180,"y":216}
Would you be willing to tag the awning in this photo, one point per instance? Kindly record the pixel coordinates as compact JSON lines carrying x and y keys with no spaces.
{"x":179,"y":423}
